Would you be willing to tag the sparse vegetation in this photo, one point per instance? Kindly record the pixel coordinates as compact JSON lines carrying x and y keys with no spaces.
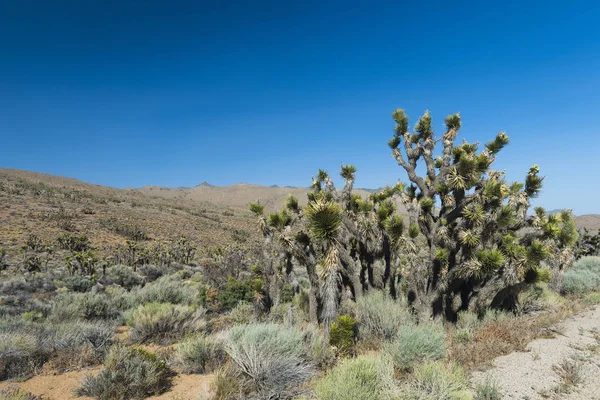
{"x":388,"y":294}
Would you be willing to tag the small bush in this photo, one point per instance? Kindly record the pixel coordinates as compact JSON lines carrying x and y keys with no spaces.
{"x":227,"y":385}
{"x":129,"y":373}
{"x":583,"y":276}
{"x":14,"y":393}
{"x":592,"y":298}
{"x":379,"y":316}
{"x":124,"y":276}
{"x":343,"y":334}
{"x":198,"y":354}
{"x":317,"y":348}
{"x":164,"y":322}
{"x":438,"y":380}
{"x":168,"y":289}
{"x":82,"y":306}
{"x":77,"y":283}
{"x":237,"y":291}
{"x":20,"y":354}
{"x":487,"y":391}
{"x":270,"y":356}
{"x":364,"y":377}
{"x":415,"y":343}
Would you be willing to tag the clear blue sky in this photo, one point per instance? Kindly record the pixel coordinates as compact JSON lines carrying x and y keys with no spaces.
{"x":131,"y":93}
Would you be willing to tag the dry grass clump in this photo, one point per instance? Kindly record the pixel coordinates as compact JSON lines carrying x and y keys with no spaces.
{"x":498,"y":337}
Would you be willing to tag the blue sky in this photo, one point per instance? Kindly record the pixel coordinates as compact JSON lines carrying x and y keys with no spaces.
{"x":174,"y":93}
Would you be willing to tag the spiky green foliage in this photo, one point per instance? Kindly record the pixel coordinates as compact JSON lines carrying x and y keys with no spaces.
{"x":324,"y":219}
{"x":257,"y":208}
{"x":292,"y":204}
{"x":343,"y":334}
{"x":348,"y":171}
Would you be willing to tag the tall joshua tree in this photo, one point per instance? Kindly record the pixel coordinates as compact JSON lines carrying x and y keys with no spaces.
{"x":477,"y":244}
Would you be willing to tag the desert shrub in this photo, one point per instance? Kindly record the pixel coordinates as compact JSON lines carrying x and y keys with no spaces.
{"x":379,"y":316}
{"x":438,"y":380}
{"x":237,"y":291}
{"x":32,"y":316}
{"x":198,"y":354}
{"x":538,"y":297}
{"x":583,"y":276}
{"x":270,"y":356}
{"x":3,"y":259}
{"x":164,"y":322}
{"x":487,"y":391}
{"x":241,"y":314}
{"x":15,"y":393}
{"x":364,"y":377}
{"x":97,"y":335}
{"x":343,"y":334}
{"x":469,"y":322}
{"x":592,"y":298}
{"x":227,"y":385}
{"x":129,"y":373}
{"x":82,"y":306}
{"x":21,"y":354}
{"x":168,"y":289}
{"x":73,"y":242}
{"x":415,"y":343}
{"x":77,"y":283}
{"x":150,"y":272}
{"x":124,"y":276}
{"x":317,"y":348}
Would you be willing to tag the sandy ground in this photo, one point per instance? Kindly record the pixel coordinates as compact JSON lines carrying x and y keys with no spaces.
{"x":61,"y":386}
{"x":533,"y":375}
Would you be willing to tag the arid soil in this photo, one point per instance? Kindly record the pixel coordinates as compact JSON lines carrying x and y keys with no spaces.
{"x":61,"y":386}
{"x":564,"y":367}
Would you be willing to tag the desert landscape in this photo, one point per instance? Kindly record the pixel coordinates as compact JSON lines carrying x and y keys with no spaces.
{"x":270,"y":200}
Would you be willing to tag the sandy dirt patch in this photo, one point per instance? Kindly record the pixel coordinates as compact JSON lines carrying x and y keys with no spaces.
{"x":534,"y":374}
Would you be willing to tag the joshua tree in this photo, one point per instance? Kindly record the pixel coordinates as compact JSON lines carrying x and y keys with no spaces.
{"x":468,"y":242}
{"x":478,"y":246}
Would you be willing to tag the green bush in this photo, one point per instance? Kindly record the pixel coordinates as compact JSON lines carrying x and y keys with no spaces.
{"x":364,"y":377}
{"x":379,"y":316}
{"x":415,"y":343}
{"x":164,"y":322}
{"x":343,"y":335}
{"x":583,"y":276}
{"x":237,"y":291}
{"x":270,"y":356}
{"x":438,"y":380}
{"x":168,"y":289}
{"x":198,"y":354}
{"x":82,"y":306}
{"x":77,"y":283}
{"x":124,"y":276}
{"x":592,"y":298}
{"x":487,"y":391}
{"x":129,"y":373}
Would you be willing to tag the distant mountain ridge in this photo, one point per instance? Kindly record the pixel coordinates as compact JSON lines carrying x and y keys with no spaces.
{"x":235,"y":196}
